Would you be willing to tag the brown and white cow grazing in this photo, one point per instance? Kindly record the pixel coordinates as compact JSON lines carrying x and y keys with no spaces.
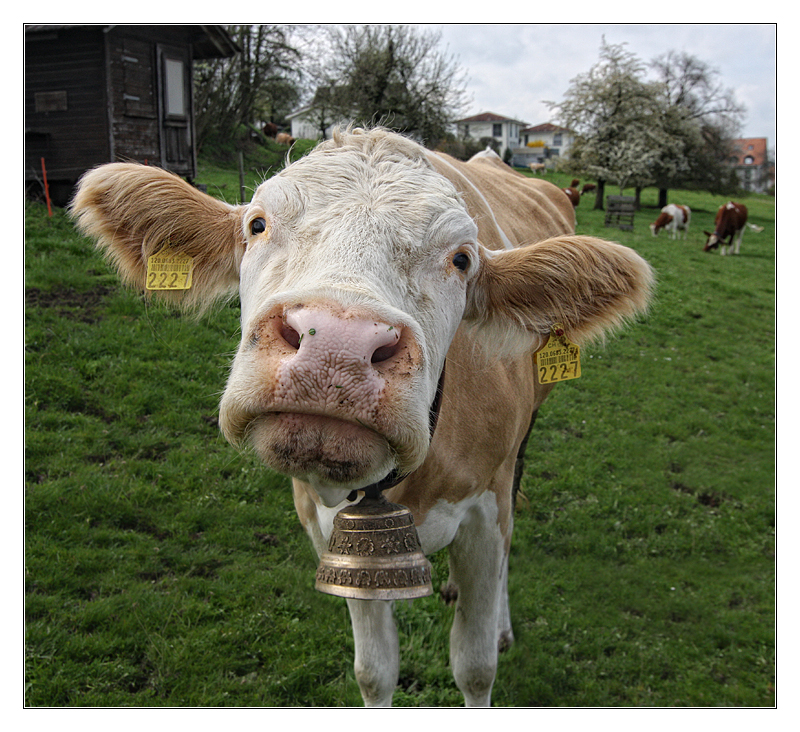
{"x":573,"y":193}
{"x":362,"y":269}
{"x":673,"y":218}
{"x":729,"y":224}
{"x":284,"y":138}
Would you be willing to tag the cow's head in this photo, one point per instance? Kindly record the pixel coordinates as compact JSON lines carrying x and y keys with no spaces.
{"x":712,"y":241}
{"x":355,"y":266}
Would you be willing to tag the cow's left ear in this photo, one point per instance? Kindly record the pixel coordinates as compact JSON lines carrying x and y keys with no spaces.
{"x":589,"y":285}
{"x":135,"y":211}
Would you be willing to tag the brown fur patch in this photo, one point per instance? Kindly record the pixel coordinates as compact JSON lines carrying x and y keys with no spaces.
{"x":133,"y":211}
{"x":588,"y":284}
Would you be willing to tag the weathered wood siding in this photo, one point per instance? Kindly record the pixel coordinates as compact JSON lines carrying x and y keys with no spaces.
{"x":98,"y":94}
{"x":66,"y":121}
{"x":134,"y":99}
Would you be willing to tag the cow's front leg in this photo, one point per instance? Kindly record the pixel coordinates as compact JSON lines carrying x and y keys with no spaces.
{"x":377,"y":660}
{"x":477,"y":558}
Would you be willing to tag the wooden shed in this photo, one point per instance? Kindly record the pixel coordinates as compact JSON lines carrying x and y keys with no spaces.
{"x":102,"y":93}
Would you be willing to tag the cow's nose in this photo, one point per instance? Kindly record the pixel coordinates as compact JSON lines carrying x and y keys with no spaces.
{"x":343,"y":336}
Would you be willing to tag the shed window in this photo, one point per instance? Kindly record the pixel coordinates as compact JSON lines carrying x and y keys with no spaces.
{"x":497,"y":130}
{"x":174,"y":88}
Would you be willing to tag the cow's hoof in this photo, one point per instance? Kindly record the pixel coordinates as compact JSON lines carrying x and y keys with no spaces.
{"x":449,"y":592}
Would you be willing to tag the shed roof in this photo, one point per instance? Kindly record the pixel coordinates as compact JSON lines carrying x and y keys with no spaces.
{"x":208,"y":41}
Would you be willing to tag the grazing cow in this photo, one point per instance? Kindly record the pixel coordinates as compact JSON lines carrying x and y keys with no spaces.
{"x":588,"y":188}
{"x":270,"y":129}
{"x":284,"y":138}
{"x":362,"y":269}
{"x":729,"y":224}
{"x":673,"y":218}
{"x":537,"y":167}
{"x":573,"y":193}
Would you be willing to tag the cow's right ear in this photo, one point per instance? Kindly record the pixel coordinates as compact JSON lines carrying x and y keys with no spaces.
{"x":588,"y":285}
{"x":134,"y":211}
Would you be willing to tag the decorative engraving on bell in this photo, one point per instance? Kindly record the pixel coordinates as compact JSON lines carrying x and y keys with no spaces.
{"x":374,"y":554}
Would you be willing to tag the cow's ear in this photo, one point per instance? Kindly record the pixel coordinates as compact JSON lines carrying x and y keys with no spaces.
{"x":135,"y":211}
{"x":588,"y":285}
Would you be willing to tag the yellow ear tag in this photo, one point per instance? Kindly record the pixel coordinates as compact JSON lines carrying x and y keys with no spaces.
{"x":169,"y":270}
{"x":559,"y":359}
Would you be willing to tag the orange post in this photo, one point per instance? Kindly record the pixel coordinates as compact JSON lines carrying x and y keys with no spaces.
{"x":46,"y":189}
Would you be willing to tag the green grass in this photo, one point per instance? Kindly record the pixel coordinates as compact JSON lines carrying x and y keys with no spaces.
{"x":163,"y":568}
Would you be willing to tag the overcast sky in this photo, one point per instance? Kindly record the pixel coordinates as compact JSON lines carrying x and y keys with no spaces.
{"x":514,"y":69}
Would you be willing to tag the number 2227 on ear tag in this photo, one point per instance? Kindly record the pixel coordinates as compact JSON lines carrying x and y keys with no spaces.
{"x":169,"y":270}
{"x":559,"y":359}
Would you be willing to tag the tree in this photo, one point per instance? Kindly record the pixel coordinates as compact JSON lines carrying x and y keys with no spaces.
{"x":704,"y":116}
{"x":673,"y":130}
{"x":393,"y":75}
{"x":261,"y":84}
{"x":615,"y":115}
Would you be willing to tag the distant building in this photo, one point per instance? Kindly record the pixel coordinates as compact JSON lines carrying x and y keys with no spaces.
{"x":542,"y":144}
{"x":305,"y":123}
{"x":505,"y":130}
{"x":751,"y":160}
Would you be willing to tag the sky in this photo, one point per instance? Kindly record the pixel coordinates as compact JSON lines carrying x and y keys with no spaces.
{"x":514,"y":68}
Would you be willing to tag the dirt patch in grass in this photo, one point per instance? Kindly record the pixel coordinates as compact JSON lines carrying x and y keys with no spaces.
{"x":70,"y":303}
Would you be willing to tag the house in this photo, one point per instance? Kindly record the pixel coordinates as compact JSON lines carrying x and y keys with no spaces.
{"x":505,"y":130}
{"x":542,"y":144}
{"x":754,"y":168}
{"x":306,"y":123}
{"x":102,"y":93}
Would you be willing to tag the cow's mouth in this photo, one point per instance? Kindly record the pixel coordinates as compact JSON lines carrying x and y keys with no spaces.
{"x":321,"y":449}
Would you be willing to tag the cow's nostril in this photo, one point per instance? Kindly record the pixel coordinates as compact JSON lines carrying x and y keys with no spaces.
{"x":384,"y":353}
{"x":290,"y":335}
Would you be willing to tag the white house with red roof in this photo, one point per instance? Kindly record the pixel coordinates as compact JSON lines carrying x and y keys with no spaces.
{"x":542,"y":144}
{"x":537,"y":144}
{"x":505,"y":130}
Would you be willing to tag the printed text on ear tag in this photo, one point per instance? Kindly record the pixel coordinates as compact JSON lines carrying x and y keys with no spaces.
{"x":559,"y":359}
{"x":169,"y":270}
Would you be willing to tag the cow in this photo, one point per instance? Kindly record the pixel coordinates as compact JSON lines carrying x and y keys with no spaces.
{"x":588,"y":188}
{"x":573,"y":193}
{"x":729,"y":224}
{"x":537,"y":167}
{"x":270,"y":129}
{"x":673,"y":218}
{"x":374,"y":274}
{"x":284,"y":138}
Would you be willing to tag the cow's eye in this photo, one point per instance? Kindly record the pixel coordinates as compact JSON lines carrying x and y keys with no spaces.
{"x":258,"y":226}
{"x":461,"y":261}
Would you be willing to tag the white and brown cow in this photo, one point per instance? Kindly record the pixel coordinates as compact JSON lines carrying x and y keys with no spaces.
{"x":573,"y":194}
{"x":673,"y":218}
{"x":729,"y":224}
{"x":362,"y":269}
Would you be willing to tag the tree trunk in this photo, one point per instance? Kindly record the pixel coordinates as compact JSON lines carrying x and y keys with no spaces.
{"x":662,"y":197}
{"x":601,"y":190}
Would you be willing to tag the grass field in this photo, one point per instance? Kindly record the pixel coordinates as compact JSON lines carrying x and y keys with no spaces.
{"x":164,"y":568}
